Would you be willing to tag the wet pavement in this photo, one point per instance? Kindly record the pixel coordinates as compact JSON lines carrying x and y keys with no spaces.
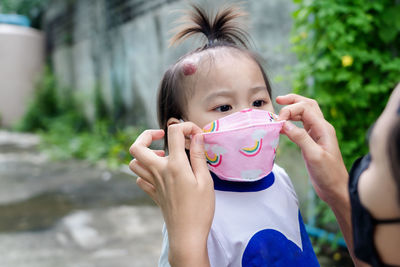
{"x":71,"y":213}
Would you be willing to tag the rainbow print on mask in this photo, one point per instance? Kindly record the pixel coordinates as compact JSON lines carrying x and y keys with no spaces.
{"x":256,"y":148}
{"x":215,"y":161}
{"x":214,"y":126}
{"x":272,"y":117}
{"x":217,"y":150}
{"x":252,"y":151}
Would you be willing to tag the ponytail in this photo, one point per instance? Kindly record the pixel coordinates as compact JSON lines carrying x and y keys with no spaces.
{"x":224,"y":29}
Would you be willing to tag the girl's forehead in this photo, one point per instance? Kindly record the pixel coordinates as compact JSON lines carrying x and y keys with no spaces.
{"x":200,"y":60}
{"x":221,"y":67}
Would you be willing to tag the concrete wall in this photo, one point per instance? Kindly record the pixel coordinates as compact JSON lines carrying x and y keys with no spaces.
{"x":124,"y":47}
{"x":21,"y":61}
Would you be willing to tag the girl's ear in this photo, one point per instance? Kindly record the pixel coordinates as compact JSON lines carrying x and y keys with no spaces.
{"x":175,"y":121}
{"x":172,"y":121}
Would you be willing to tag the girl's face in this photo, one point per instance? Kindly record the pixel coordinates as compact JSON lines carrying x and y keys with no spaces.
{"x":225,"y":82}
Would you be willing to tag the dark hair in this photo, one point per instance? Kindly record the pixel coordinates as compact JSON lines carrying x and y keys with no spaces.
{"x":393,"y":146}
{"x":222,"y":31}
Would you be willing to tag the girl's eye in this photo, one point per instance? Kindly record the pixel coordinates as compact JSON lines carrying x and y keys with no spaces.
{"x":258,"y":103}
{"x":223,"y":108}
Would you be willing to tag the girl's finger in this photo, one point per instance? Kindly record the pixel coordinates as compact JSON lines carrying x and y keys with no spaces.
{"x":176,"y":137}
{"x":141,"y":171}
{"x":147,"y":188}
{"x":140,"y":148}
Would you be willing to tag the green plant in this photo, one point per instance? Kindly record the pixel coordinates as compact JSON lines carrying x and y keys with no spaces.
{"x":61,"y":141}
{"x":49,"y":102}
{"x":349,"y":61}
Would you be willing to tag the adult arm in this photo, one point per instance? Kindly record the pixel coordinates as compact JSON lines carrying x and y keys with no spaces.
{"x":320,"y":149}
{"x":184,"y":191}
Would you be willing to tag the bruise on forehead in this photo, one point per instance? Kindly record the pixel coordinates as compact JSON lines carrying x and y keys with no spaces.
{"x":190,"y":64}
{"x":189,"y":68}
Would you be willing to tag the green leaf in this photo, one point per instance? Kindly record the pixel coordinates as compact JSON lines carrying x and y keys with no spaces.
{"x":387,"y":34}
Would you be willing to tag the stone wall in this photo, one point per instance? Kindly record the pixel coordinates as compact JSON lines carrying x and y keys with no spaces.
{"x":122,"y":47}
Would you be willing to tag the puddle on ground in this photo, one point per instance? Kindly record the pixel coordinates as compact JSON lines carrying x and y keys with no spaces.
{"x":43,"y":211}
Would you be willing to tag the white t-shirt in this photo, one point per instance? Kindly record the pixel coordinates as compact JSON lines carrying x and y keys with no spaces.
{"x":255,"y":224}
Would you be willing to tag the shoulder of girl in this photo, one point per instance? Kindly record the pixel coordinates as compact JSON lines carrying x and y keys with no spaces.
{"x":279,"y":171}
{"x":282,"y":175}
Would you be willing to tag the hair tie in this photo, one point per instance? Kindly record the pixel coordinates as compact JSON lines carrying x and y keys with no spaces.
{"x":210,"y":42}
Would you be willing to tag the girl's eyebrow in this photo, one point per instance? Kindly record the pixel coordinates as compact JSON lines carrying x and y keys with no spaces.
{"x":223,"y":93}
{"x":229,"y":93}
{"x":257,"y":89}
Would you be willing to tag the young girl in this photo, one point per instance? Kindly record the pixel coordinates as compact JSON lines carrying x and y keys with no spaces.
{"x":256,"y":220}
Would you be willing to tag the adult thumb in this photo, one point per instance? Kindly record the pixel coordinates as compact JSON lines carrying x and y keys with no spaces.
{"x":301,"y":138}
{"x":197,"y":156}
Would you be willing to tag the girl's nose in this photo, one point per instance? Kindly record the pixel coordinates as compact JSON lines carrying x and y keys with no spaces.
{"x":242,"y":107}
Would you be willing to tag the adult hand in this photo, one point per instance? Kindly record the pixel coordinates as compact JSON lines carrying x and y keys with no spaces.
{"x":318,"y":143}
{"x":183,"y":190}
{"x":320,"y":149}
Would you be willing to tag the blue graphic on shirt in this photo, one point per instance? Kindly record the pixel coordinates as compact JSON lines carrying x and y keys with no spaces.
{"x":269,"y":247}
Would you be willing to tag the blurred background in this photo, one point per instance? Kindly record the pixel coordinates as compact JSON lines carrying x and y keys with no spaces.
{"x":78,"y":84}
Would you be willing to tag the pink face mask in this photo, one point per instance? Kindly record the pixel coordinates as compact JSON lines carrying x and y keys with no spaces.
{"x":242,"y":146}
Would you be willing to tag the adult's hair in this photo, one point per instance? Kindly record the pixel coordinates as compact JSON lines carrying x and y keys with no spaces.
{"x":221,"y":31}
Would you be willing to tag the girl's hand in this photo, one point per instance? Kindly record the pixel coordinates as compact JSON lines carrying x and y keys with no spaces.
{"x":183,"y":190}
{"x":318,"y":144}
